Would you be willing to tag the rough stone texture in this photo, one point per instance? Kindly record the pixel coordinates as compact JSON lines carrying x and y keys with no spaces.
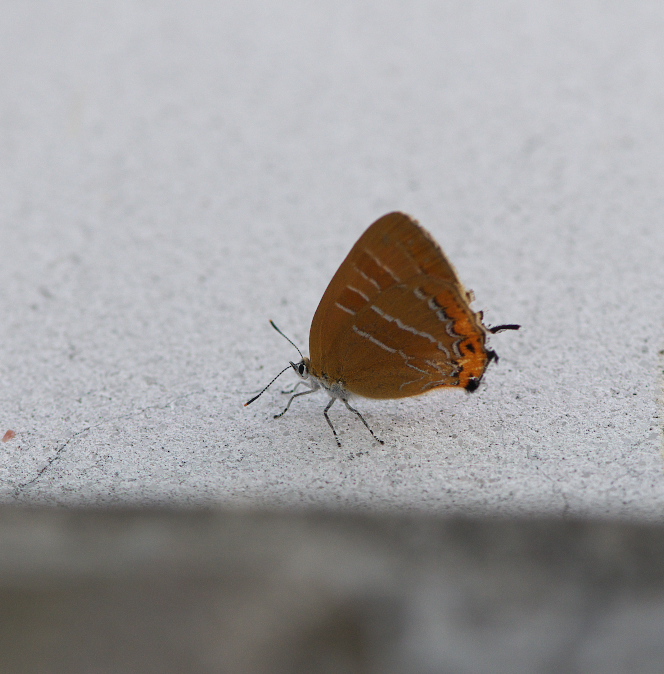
{"x":209,"y":592}
{"x":173,"y":174}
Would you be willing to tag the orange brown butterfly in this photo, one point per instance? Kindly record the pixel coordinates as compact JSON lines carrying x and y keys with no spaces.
{"x":394,"y":322}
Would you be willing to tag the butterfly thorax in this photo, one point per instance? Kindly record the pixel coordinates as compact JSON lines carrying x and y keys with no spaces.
{"x":317,"y":378}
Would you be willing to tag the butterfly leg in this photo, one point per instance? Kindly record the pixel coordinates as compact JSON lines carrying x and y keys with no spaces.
{"x":292,"y":390}
{"x":354,"y":411}
{"x":336,"y":437}
{"x":290,"y":400}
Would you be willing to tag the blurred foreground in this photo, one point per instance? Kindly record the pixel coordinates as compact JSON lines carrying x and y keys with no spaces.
{"x":212,"y":591}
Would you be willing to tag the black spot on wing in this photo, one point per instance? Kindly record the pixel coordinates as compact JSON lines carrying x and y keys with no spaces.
{"x":473,"y":384}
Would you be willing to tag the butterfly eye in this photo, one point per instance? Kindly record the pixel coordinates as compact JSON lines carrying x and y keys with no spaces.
{"x":301,"y":369}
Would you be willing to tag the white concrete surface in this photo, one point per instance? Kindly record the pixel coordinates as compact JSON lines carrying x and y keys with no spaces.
{"x":173,"y":174}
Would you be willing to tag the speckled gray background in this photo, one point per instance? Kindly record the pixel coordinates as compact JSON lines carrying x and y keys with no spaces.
{"x":173,"y":174}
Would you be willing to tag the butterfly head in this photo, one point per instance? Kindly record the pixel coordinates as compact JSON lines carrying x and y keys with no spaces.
{"x":301,"y":368}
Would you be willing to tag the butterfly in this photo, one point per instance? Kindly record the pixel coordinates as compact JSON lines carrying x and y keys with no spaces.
{"x":394,"y":322}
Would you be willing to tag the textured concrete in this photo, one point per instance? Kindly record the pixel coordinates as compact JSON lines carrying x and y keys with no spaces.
{"x":174,"y":174}
{"x":204,"y":593}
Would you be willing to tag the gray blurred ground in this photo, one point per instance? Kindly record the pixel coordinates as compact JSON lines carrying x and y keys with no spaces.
{"x":209,"y":593}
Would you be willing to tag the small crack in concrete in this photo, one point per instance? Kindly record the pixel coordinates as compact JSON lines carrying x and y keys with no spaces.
{"x":660,"y":401}
{"x":556,"y":489}
{"x":60,"y":450}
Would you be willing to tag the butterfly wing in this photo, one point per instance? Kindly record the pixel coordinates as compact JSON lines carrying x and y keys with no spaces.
{"x":395,"y":320}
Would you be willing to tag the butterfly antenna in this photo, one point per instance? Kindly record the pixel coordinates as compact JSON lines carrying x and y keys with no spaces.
{"x":268,"y":386}
{"x":272,"y":323}
{"x":500,"y":328}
